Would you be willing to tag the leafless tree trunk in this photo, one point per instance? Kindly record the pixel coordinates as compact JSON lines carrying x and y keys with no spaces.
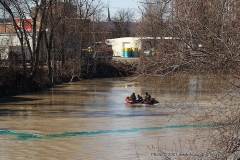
{"x":37,"y":10}
{"x":76,"y":32}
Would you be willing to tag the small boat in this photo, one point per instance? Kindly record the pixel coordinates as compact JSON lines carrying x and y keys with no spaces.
{"x":151,"y":102}
{"x":128,"y":100}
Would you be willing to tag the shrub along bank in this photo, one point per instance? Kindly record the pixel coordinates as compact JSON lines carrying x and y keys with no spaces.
{"x":13,"y":81}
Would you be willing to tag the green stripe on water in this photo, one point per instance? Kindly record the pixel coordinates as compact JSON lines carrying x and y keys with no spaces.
{"x":28,"y":136}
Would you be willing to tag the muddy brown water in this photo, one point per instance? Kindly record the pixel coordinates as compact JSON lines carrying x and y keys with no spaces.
{"x":90,"y":120}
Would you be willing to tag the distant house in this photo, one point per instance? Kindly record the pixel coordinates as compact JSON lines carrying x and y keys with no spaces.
{"x":6,"y":26}
{"x":9,"y":40}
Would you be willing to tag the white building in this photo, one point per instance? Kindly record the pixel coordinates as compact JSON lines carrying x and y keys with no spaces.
{"x":10,"y":42}
{"x":119,"y":44}
{"x":135,"y":44}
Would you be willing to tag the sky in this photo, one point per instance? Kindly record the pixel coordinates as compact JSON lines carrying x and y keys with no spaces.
{"x":115,"y":5}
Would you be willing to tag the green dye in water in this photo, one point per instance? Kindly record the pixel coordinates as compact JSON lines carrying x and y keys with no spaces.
{"x":28,"y":136}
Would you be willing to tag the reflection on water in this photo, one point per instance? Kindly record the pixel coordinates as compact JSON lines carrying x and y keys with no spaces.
{"x":89,"y":119}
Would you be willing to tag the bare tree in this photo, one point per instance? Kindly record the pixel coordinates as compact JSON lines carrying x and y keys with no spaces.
{"x":124,"y":23}
{"x":54,"y":25}
{"x":204,"y":40}
{"x":74,"y":33}
{"x":201,"y":27}
{"x":38,"y":11}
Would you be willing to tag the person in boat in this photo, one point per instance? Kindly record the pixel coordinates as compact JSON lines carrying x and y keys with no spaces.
{"x":147,"y":97}
{"x":139,"y":98}
{"x":133,"y":97}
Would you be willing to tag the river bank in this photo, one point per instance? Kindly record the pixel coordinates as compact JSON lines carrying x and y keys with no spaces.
{"x":13,"y":81}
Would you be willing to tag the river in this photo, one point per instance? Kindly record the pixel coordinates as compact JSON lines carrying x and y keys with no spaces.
{"x":90,"y":120}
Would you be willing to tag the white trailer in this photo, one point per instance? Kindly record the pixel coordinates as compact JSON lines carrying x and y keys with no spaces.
{"x":118,"y":44}
{"x":137,"y":44}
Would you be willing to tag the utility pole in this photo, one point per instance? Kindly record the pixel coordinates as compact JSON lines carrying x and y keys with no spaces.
{"x":94,"y":41}
{"x":4,"y":18}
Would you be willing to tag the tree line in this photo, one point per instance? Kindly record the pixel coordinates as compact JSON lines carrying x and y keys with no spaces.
{"x":205,"y":33}
{"x":205,"y":40}
{"x":59,"y":32}
{"x":201,"y":34}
